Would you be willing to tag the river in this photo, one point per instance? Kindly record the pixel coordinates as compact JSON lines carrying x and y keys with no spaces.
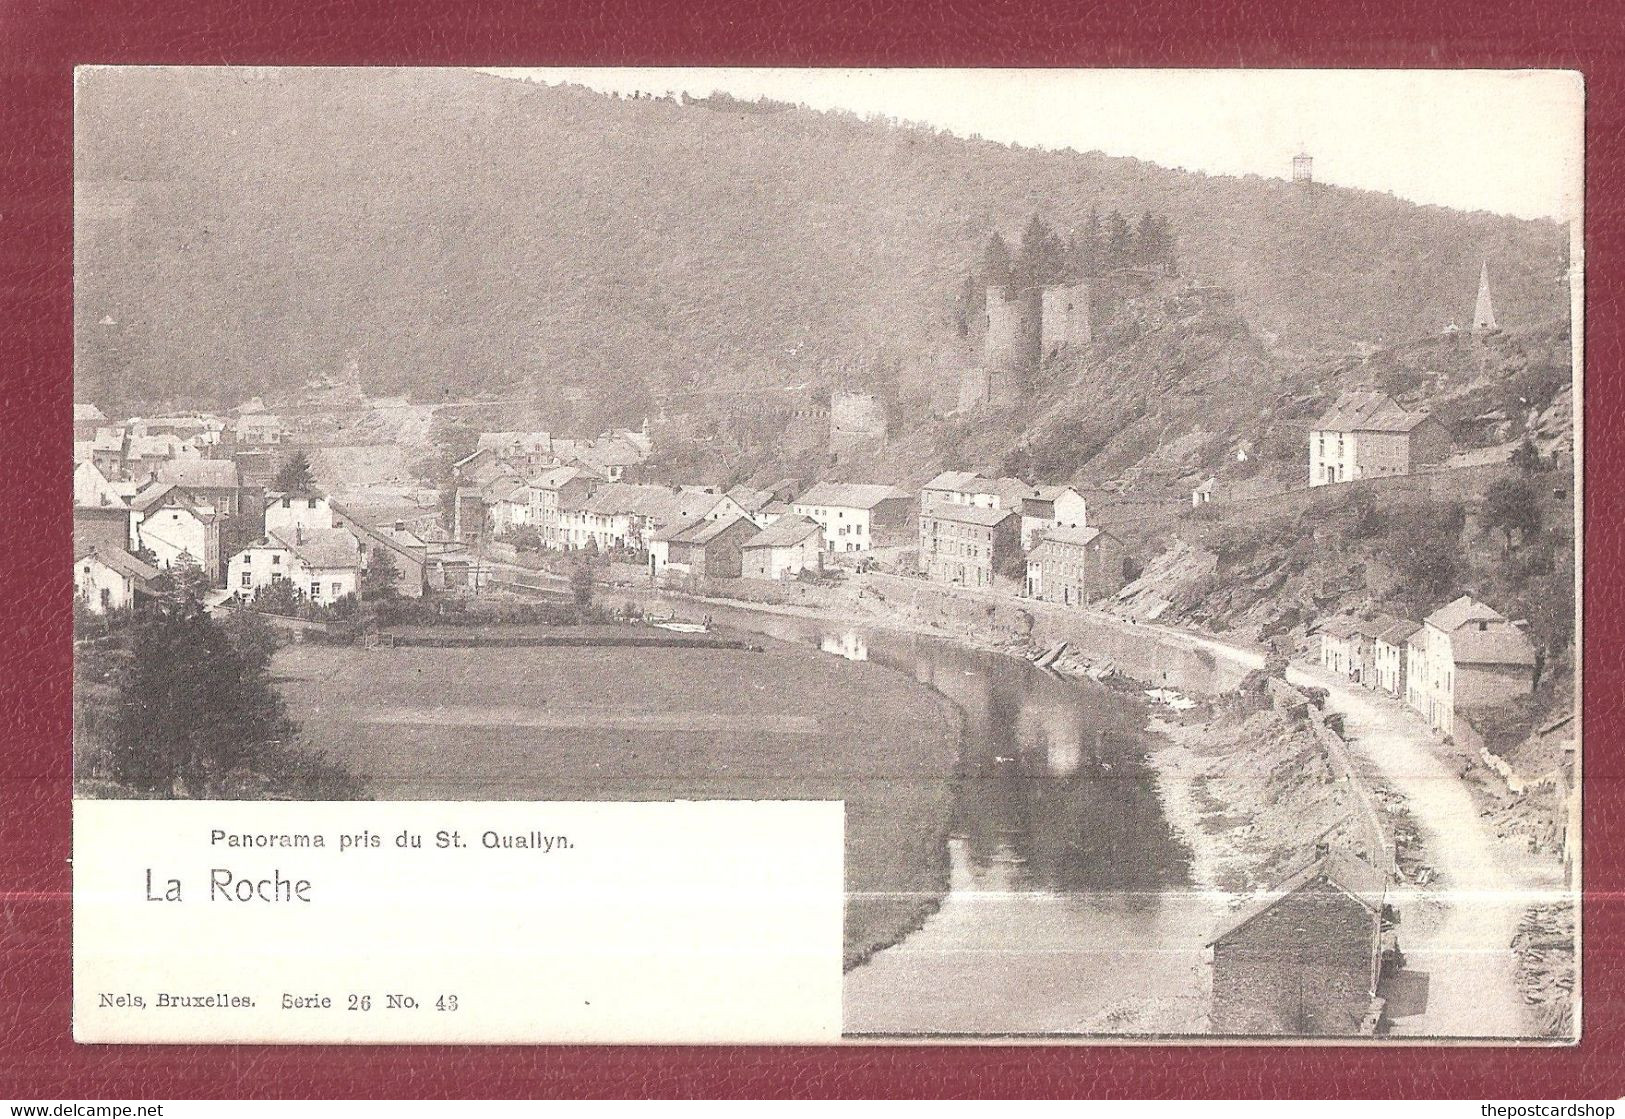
{"x":1070,"y":909}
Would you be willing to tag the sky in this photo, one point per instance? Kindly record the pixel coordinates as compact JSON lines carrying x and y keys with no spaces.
{"x":1506,"y":141}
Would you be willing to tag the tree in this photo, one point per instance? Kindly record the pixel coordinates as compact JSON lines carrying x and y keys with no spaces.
{"x":1526,"y":457}
{"x":581,"y":584}
{"x":279,"y":596}
{"x":1119,"y":247}
{"x":191,"y":707}
{"x":1041,"y":260}
{"x":295,"y":475}
{"x":379,"y":578}
{"x":996,"y":262}
{"x":1513,"y":506}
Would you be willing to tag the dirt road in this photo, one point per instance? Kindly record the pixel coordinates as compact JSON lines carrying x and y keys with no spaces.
{"x":1459,"y":929}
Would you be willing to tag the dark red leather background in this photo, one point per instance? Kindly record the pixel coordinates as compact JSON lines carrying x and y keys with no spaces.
{"x":40,"y":42}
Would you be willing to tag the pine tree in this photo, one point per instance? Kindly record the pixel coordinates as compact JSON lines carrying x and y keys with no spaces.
{"x":996,"y":263}
{"x":1119,"y":247}
{"x":295,"y":475}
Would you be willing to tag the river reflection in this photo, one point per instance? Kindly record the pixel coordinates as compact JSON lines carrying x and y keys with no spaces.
{"x":1069,"y":894}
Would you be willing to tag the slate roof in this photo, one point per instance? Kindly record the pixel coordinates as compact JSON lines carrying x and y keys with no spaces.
{"x":786,"y":532}
{"x":632,"y":499}
{"x":703,"y":532}
{"x":955,"y":480}
{"x":1368,"y":411}
{"x":1347,"y":873}
{"x":1398,"y":632}
{"x":1453,"y":615}
{"x":849,"y":495}
{"x":559,"y":476}
{"x":205,"y":473}
{"x":751,"y":501}
{"x":320,"y":547}
{"x":1069,"y":535}
{"x":975,"y":515}
{"x":121,"y":561}
{"x":1342,"y":628}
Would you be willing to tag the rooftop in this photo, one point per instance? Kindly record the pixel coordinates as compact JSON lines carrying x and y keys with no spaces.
{"x":785,"y":532}
{"x":1353,"y":876}
{"x":850,"y":495}
{"x":1368,"y":411}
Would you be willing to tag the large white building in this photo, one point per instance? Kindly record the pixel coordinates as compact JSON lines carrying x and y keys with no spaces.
{"x":856,"y":517}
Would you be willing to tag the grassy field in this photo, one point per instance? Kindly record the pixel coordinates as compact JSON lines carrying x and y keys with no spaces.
{"x":655,"y":724}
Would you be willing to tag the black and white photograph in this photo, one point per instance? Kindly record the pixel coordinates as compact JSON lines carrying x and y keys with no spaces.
{"x":1145,"y":500}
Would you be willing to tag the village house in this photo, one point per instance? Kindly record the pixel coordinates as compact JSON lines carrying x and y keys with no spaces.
{"x":323,"y":564}
{"x":420,"y":565}
{"x":1390,"y":651}
{"x":259,"y":429}
{"x":286,"y":511}
{"x":1474,"y":657}
{"x":969,"y":545}
{"x":1051,"y":507}
{"x":953,"y":488}
{"x":178,"y":528}
{"x":107,"y":451}
{"x":110,"y":579}
{"x":1368,"y":435}
{"x":508,"y":500}
{"x":620,"y":515}
{"x":616,"y":457}
{"x":215,"y":481}
{"x":1203,"y":494}
{"x":857,"y":517}
{"x":518,"y":448}
{"x":706,"y":549}
{"x":86,"y":419}
{"x":105,"y":527}
{"x":552,"y":491}
{"x":1075,"y":566}
{"x":1340,"y":640}
{"x":1305,"y":959}
{"x":784,"y":549}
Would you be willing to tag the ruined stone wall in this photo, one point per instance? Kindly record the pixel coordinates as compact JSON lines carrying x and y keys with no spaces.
{"x":857,"y":422}
{"x":1065,"y":317}
{"x":1014,"y":337}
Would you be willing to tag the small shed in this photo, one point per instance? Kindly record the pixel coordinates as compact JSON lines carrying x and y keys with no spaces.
{"x":1304,"y":959}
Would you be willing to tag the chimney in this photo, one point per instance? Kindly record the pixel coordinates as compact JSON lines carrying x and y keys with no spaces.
{"x":1322,"y":849}
{"x":400,"y":526}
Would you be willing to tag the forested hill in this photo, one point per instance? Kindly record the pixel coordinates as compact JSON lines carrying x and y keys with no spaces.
{"x":456,"y":232}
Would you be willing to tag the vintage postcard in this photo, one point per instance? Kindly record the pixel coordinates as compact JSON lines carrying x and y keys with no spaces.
{"x":820,"y":555}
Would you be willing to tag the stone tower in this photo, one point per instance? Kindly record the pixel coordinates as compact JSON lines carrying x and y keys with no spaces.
{"x":1303,"y":168}
{"x":1014,"y":340}
{"x":1065,"y":317}
{"x":1484,"y":312}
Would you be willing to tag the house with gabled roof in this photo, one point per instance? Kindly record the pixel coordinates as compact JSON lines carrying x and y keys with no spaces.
{"x":1305,"y":958}
{"x":1368,"y":435}
{"x":704,"y":548}
{"x":1074,"y":566}
{"x":784,"y":549}
{"x":107,"y":579}
{"x":1051,"y":507}
{"x":323,"y":564}
{"x":1475,"y":657}
{"x":970,"y":545}
{"x":858,"y":517}
{"x":178,"y":527}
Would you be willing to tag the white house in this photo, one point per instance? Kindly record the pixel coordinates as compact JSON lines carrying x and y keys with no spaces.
{"x":324,"y":565}
{"x":177,"y":528}
{"x":1368,"y":435}
{"x":1048,"y":508}
{"x":110,"y":579}
{"x":857,"y":518}
{"x":1474,"y":657}
{"x":285,"y":512}
{"x":92,"y":489}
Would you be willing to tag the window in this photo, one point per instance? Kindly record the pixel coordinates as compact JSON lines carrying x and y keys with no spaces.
{"x":248,"y":578}
{"x":276,"y":559}
{"x":315,"y":589}
{"x":311,"y":503}
{"x":248,"y":557}
{"x":107,"y":598}
{"x":287,"y":503}
{"x":338,"y":590}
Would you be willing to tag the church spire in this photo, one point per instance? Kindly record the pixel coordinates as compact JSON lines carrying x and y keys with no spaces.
{"x":1484,"y":313}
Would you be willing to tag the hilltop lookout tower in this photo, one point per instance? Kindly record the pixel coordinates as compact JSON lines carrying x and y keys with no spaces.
{"x":1303,"y":168}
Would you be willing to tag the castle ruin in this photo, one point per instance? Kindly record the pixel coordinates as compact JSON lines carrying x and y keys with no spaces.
{"x":1022,"y":331}
{"x":857,"y":423}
